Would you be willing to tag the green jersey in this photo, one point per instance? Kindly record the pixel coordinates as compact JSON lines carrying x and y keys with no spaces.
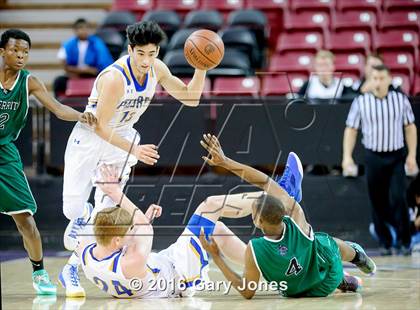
{"x":303,"y":261}
{"x":15,"y":194}
{"x":14,"y":106}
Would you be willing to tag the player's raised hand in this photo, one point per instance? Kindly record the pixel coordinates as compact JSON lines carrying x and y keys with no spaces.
{"x":154,"y":211}
{"x":147,"y":153}
{"x":211,"y":247}
{"x":212,"y":145}
{"x":110,"y":179}
{"x":88,"y":118}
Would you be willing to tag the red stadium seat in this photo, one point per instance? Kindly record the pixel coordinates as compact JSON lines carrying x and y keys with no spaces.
{"x":348,"y":79}
{"x":366,"y":5}
{"x":135,"y":6}
{"x":398,"y":40}
{"x":399,"y":61}
{"x":282,"y":84}
{"x":401,"y":80}
{"x":349,"y":41}
{"x":306,"y":21}
{"x":416,"y":86}
{"x":291,"y":62}
{"x":299,"y":41}
{"x":274,"y":11}
{"x":350,"y":63}
{"x":406,"y":20}
{"x":236,"y":86}
{"x":327,"y":6}
{"x":182,"y":7}
{"x":223,"y":6}
{"x":355,"y":20}
{"x":79,"y":87}
{"x":398,"y":5}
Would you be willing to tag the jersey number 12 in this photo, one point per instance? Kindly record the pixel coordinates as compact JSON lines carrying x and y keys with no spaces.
{"x":3,"y":119}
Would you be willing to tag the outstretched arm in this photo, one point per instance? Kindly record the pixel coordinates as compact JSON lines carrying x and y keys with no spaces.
{"x":188,"y":94}
{"x":141,"y":233}
{"x":66,"y":113}
{"x":255,"y":177}
{"x":240,"y":283}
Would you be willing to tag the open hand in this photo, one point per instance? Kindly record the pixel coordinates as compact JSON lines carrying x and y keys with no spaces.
{"x":109,"y":182}
{"x":212,"y":145}
{"x":88,"y":118}
{"x":211,"y":247}
{"x":147,"y":153}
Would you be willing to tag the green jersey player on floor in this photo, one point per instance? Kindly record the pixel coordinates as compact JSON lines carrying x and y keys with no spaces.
{"x":290,"y":255}
{"x":16,"y":200}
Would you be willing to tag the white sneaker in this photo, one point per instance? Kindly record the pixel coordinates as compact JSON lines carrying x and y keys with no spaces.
{"x":69,"y":279}
{"x":74,"y":227}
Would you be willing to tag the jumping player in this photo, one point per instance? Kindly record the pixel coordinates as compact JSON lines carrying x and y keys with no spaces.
{"x":121,"y":251}
{"x":121,"y":94}
{"x":290,"y":251}
{"x":16,"y":200}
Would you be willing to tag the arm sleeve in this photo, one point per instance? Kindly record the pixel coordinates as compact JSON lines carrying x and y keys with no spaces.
{"x":408,"y":111}
{"x":353,"y":118}
{"x":61,"y":54}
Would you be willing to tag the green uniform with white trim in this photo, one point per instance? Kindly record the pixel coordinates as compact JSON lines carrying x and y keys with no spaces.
{"x":311,"y":265}
{"x":15,"y":194}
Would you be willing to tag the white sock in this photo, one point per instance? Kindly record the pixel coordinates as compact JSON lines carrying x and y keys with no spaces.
{"x":74,"y":259}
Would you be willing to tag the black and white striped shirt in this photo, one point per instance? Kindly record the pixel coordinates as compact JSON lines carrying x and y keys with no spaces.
{"x":382,"y":120}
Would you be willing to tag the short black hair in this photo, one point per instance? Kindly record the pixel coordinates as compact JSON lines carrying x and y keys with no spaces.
{"x":78,"y":22}
{"x":381,"y":68}
{"x":13,"y":34}
{"x":144,"y":33}
{"x":270,"y":209}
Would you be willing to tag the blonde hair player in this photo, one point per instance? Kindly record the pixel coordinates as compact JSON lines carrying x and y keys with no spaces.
{"x":120,"y":261}
{"x":120,"y":95}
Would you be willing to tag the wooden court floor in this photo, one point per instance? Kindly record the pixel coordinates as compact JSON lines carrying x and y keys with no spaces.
{"x":395,"y":286}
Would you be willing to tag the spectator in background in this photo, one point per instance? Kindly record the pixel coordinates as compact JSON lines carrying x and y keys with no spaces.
{"x":365,"y":84}
{"x":322,"y":83}
{"x":84,"y":55}
{"x":385,"y":117}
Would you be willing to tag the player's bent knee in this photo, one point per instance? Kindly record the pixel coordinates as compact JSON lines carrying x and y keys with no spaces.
{"x":73,"y":209}
{"x":220,"y":228}
{"x":214,"y":203}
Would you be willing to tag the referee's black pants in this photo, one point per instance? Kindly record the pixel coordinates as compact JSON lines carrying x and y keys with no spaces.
{"x":387,"y":192}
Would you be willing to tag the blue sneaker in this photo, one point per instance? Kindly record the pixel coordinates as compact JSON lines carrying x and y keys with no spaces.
{"x":291,"y":180}
{"x":69,"y":279}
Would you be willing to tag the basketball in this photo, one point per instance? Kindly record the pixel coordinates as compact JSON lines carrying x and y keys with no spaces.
{"x":204,"y":49}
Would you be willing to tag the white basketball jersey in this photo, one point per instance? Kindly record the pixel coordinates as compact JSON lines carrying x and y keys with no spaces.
{"x":136,"y":97}
{"x":107,"y":274}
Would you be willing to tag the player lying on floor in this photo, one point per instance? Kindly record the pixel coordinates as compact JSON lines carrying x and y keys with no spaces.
{"x":310,"y":263}
{"x":120,"y":261}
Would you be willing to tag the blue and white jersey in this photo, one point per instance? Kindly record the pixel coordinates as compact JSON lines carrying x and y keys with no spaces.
{"x":107,"y":274}
{"x":136,"y":97}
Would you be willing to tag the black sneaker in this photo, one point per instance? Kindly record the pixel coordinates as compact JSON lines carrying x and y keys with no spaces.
{"x":350,"y":284}
{"x":365,"y":263}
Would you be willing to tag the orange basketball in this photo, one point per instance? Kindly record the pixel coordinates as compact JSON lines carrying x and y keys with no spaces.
{"x":204,"y":49}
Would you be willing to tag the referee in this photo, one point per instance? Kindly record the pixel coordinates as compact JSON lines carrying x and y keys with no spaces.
{"x":384,"y":115}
